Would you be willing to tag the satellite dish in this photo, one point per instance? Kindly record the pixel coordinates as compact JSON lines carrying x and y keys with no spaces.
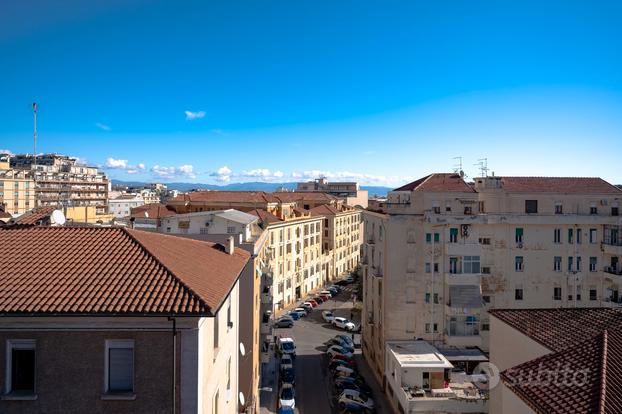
{"x":242,"y":399}
{"x":58,"y":217}
{"x":242,"y":349}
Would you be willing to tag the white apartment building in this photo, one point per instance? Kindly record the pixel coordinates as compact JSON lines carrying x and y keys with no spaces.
{"x":122,"y":205}
{"x":446,"y":251}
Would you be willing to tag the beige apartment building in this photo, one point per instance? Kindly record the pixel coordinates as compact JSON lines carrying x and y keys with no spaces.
{"x":60,"y":181}
{"x":556,"y":361}
{"x":349,"y":192}
{"x":131,"y":322}
{"x":447,"y":251}
{"x":342,"y":237}
{"x":239,"y":200}
{"x":17,"y":188}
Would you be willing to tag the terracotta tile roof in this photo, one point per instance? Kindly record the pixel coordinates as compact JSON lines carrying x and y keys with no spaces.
{"x":265,"y":216}
{"x":4,"y":215}
{"x":439,"y":183}
{"x":154,"y":211}
{"x":565,"y":185}
{"x":226,"y":197}
{"x":295,"y":196}
{"x":86,"y":270}
{"x":558,"y":329}
{"x":324,"y":210}
{"x":592,"y":386}
{"x":34,"y":216}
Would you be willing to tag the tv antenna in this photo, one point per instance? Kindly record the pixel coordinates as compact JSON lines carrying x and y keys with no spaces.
{"x":458,"y":167}
{"x":482,"y":164}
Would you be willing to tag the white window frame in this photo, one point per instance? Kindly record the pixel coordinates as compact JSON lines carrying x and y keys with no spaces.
{"x":118,"y":343}
{"x":12,"y":344}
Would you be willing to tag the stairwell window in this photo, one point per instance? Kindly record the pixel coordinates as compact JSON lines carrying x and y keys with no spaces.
{"x":20,"y":368}
{"x":570,"y":259}
{"x":531,"y":206}
{"x":518,"y":235}
{"x":119,"y":366}
{"x":593,"y":209}
{"x":518,"y":293}
{"x":518,"y":263}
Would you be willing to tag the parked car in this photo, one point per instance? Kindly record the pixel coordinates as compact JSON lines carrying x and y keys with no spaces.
{"x":352,"y":408}
{"x":324,"y":297}
{"x":327,"y":292}
{"x":287,"y":396}
{"x":346,"y":338}
{"x":349,"y":280}
{"x":355,"y":397}
{"x":301,"y":311}
{"x":343,"y":323}
{"x":287,"y":346}
{"x":287,"y":362}
{"x":312,"y":302}
{"x":307,"y":307}
{"x":348,"y":382}
{"x":290,"y":410}
{"x":341,"y":343}
{"x":342,"y":282}
{"x":338,"y":350}
{"x":341,"y":362}
{"x":335,"y":287}
{"x":327,"y":316}
{"x":319,"y":299}
{"x":288,"y":376}
{"x":284,"y":322}
{"x":294,"y":315}
{"x":345,"y":371}
{"x":338,"y":355}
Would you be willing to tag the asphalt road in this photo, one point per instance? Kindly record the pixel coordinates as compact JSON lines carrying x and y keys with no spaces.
{"x":313,"y":393}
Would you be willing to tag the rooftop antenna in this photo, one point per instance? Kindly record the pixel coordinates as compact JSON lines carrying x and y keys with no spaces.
{"x":458,"y":167}
{"x":34,"y":112}
{"x":482,"y":163}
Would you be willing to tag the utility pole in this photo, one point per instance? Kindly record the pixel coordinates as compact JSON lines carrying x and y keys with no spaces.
{"x":34,"y":112}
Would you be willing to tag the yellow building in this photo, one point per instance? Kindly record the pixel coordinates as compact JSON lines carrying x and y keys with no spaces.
{"x":86,"y":214}
{"x":17,"y":192}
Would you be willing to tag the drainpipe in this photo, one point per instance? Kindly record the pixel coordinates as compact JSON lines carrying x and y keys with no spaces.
{"x":170,"y":318}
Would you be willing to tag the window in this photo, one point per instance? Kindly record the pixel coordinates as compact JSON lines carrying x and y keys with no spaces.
{"x":427,"y":268}
{"x":570,"y":263}
{"x":557,"y":236}
{"x":486,"y":298}
{"x":453,"y":265}
{"x":230,"y":230}
{"x":518,"y":235}
{"x":570,"y":235}
{"x":437,"y":237}
{"x":119,"y":366}
{"x":593,"y":209}
{"x":216,"y":324}
{"x":578,"y":236}
{"x":485,"y":326}
{"x":20,"y":366}
{"x":518,"y":294}
{"x":216,"y":402}
{"x":558,"y":208}
{"x":578,"y":292}
{"x":436,"y":298}
{"x":229,"y":374}
{"x":592,"y":236}
{"x":557,"y":263}
{"x":593,"y":294}
{"x":435,"y":267}
{"x":470,"y":264}
{"x":427,"y":328}
{"x":518,"y":263}
{"x":593,"y":264}
{"x":448,"y":207}
{"x":578,"y":263}
{"x":557,"y":293}
{"x":484,"y":240}
{"x":436,"y":209}
{"x":453,"y":235}
{"x":482,"y":207}
{"x":436,"y":327}
{"x":486,"y":270}
{"x":614,"y":211}
{"x":531,"y":206}
{"x":427,"y":298}
{"x":468,"y":211}
{"x":428,"y":237}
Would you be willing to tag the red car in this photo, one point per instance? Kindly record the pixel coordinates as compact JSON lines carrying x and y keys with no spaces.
{"x":341,"y":357}
{"x":312,"y":302}
{"x":325,"y":297}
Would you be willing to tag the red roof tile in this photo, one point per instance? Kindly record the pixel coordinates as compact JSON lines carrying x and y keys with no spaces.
{"x":558,"y":329}
{"x":564,"y":185}
{"x":227,"y":197}
{"x":592,"y":384}
{"x":34,"y":216}
{"x":265,"y":216}
{"x":154,"y":211}
{"x":439,"y":183}
{"x":296,"y":196}
{"x":85,"y":270}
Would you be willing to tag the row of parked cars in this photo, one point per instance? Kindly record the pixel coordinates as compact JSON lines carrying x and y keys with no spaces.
{"x":350,"y":391}
{"x":287,"y":320}
{"x":287,"y":375}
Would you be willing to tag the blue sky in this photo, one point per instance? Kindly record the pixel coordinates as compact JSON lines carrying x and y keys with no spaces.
{"x":378,"y":91}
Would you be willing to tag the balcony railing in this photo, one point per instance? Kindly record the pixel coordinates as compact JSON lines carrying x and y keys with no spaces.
{"x":612,"y":270}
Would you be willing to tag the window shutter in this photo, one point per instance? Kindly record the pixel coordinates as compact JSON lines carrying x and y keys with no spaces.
{"x":121,"y":369}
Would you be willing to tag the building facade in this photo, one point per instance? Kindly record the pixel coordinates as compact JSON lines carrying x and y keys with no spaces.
{"x":60,"y":181}
{"x":122,"y":205}
{"x":161,"y":334}
{"x":17,"y":188}
{"x":349,"y":192}
{"x":446,"y":252}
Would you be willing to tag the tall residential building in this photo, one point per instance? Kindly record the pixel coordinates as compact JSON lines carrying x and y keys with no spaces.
{"x":17,"y":188}
{"x":350,"y":192}
{"x":115,"y":320}
{"x":342,"y":236}
{"x":447,"y":251}
{"x":60,"y":181}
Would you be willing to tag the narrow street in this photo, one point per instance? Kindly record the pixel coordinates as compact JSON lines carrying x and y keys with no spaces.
{"x":313,"y":392}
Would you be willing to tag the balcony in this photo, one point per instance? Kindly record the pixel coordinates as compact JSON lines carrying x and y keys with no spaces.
{"x":371,"y":240}
{"x":266,"y":295}
{"x":376,"y":271}
{"x":266,"y":323}
{"x":613,"y":270}
{"x":458,"y":279}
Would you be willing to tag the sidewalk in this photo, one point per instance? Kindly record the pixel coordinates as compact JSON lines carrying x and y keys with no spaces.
{"x":269,"y":385}
{"x":380,"y":399}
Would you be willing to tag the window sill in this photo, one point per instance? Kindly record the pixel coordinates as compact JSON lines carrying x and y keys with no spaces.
{"x":118,"y":396}
{"x":19,"y":397}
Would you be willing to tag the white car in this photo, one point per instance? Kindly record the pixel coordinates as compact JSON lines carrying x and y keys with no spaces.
{"x":327,"y":316}
{"x":286,"y":361}
{"x":355,"y":397}
{"x":287,"y":396}
{"x":327,"y":292}
{"x":287,"y":346}
{"x":334,"y":350}
{"x":301,"y":311}
{"x":343,"y":323}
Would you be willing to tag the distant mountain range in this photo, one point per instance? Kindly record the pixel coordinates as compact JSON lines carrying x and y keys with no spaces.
{"x":252,"y":186}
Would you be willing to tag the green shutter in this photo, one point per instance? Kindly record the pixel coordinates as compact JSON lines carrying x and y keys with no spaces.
{"x":519,"y":232}
{"x":453,"y":232}
{"x":428,"y":237}
{"x":437,"y":237}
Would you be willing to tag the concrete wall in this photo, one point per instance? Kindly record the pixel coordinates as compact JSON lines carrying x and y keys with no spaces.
{"x":512,"y":404}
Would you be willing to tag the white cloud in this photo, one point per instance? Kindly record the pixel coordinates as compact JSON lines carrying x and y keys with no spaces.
{"x":296,"y":175}
{"x":184,"y":171}
{"x":220,"y":132}
{"x":101,"y":126}
{"x":6,"y":151}
{"x":194,"y":115}
{"x":116,"y":164}
{"x":141,"y":166}
{"x":222,"y":174}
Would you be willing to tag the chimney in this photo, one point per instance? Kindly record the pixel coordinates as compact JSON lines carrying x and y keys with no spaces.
{"x":230,"y":246}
